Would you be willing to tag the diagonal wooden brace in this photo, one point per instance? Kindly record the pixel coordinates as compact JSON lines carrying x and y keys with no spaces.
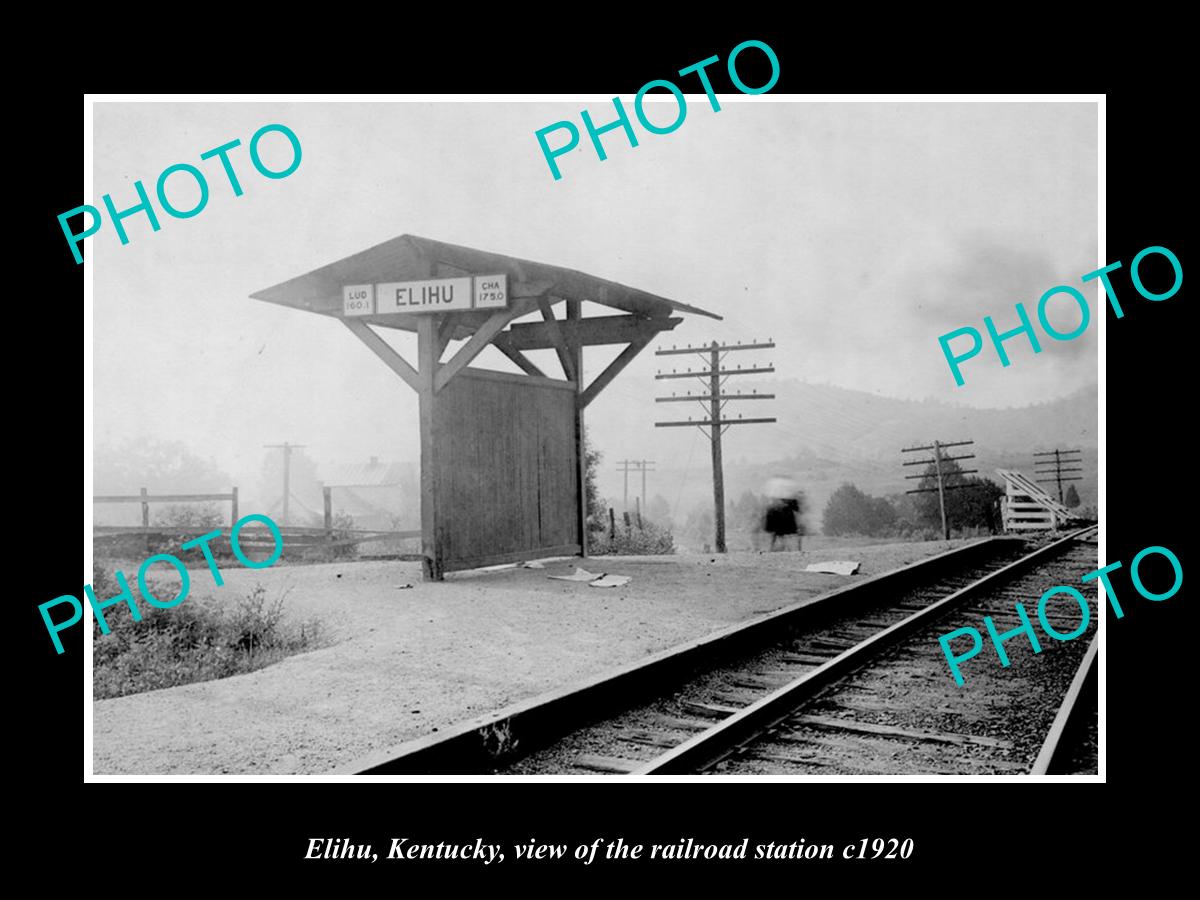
{"x":384,"y":351}
{"x":480,"y":339}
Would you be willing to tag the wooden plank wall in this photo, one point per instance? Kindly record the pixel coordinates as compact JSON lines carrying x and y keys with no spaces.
{"x":506,"y":471}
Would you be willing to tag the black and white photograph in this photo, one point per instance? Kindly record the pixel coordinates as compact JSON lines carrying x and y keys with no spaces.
{"x":690,"y":435}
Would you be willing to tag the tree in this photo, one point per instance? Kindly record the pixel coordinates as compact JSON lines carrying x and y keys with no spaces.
{"x":850,"y":511}
{"x":658,"y":510}
{"x":162,"y":467}
{"x":595,"y":505}
{"x":971,"y":505}
{"x":1072,"y":498}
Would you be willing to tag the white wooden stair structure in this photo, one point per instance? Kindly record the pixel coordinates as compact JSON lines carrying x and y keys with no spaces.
{"x":1029,"y":508}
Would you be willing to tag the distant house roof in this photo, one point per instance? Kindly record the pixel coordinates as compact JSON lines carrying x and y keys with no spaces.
{"x":369,"y":474}
{"x":410,"y":258}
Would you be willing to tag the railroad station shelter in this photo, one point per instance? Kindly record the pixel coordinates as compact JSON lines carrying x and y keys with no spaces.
{"x":502,"y":462}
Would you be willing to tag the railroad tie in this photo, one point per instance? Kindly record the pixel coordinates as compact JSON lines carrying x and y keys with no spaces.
{"x":708,"y":710}
{"x":894,"y":731}
{"x":608,"y":764}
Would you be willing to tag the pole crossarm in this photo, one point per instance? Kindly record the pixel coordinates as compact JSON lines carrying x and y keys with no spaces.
{"x":926,"y":475}
{"x":703,"y":397}
{"x":923,"y":462}
{"x":948,"y":487}
{"x":931,"y":447}
{"x":710,"y":422}
{"x":384,"y":351}
{"x":1056,"y":452}
{"x":709,"y":348}
{"x":720,"y":373}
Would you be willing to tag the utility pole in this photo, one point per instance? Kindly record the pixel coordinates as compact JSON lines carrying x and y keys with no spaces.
{"x":287,"y":471}
{"x":1053,"y":469}
{"x":635,"y":465}
{"x":936,"y":462}
{"x":712,"y":402}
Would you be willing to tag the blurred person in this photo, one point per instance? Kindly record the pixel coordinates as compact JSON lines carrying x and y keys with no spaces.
{"x":782,"y":511}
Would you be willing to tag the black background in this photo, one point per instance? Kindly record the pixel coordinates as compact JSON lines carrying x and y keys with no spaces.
{"x":967,"y":835}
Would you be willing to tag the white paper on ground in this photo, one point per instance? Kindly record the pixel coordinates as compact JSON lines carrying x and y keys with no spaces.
{"x":834,"y":568}
{"x":611,"y":581}
{"x":580,"y":575}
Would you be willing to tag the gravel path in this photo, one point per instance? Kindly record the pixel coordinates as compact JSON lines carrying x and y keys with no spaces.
{"x":408,"y":661}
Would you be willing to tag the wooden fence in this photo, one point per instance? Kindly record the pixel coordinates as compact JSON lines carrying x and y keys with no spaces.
{"x":297,"y":537}
{"x":145,"y":498}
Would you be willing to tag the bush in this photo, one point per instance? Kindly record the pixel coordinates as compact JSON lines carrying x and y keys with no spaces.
{"x":649,"y":540}
{"x":195,"y":641}
{"x":850,"y":511}
{"x":191,"y":516}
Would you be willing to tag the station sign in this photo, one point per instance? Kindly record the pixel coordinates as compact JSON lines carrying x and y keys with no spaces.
{"x":434,"y":295}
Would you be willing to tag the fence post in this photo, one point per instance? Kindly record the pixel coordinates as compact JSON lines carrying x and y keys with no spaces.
{"x":145,"y":520}
{"x":612,"y":525}
{"x":637,"y":504}
{"x":233,"y":514}
{"x":328,"y":492}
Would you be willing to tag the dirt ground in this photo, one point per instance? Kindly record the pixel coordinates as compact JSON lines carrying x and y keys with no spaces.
{"x":409,"y":658}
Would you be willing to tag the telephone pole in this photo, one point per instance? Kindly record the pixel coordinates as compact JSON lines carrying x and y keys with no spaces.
{"x":936,"y":462}
{"x":635,"y":465}
{"x":1053,"y":468}
{"x":287,"y":471}
{"x":712,"y":402}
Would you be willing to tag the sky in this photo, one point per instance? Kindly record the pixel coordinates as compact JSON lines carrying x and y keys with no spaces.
{"x":852,"y":234}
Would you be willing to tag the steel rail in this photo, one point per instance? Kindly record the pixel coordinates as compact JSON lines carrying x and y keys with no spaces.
{"x":1052,"y":757}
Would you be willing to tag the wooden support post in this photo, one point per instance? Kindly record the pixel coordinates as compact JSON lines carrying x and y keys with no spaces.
{"x":233,"y":512}
{"x":717,"y":464}
{"x":328,"y":493}
{"x":427,"y":365}
{"x":937,"y":462}
{"x":145,"y":509}
{"x":566,"y":353}
{"x":575,"y":372}
{"x":612,"y":525}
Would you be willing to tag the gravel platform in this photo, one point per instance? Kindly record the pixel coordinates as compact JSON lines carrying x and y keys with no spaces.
{"x":410,"y":658}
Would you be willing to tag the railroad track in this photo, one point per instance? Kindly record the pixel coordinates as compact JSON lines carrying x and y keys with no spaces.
{"x":889,"y":706}
{"x":730,"y":701}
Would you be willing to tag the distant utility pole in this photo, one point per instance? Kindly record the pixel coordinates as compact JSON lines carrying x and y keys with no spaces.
{"x":712,"y":402}
{"x":1053,"y":468}
{"x":287,"y":471}
{"x":635,"y":465}
{"x":938,"y":459}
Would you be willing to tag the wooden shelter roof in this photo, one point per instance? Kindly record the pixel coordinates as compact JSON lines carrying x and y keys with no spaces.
{"x":411,"y":258}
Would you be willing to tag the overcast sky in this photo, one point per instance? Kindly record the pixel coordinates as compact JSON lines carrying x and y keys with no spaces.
{"x":853,"y":234}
